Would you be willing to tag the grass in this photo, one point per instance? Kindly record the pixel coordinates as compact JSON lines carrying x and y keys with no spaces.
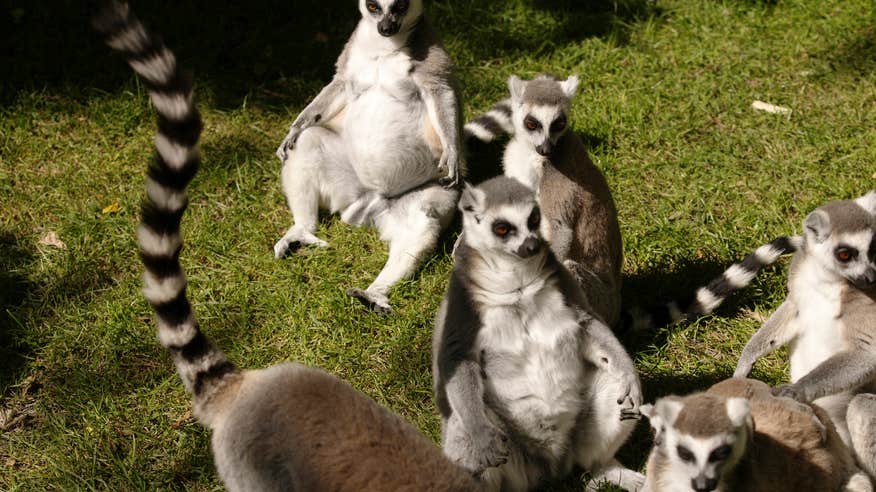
{"x":88,"y":399}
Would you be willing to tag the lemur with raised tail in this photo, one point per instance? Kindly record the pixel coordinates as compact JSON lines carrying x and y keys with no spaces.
{"x":529,"y":381}
{"x":375,"y":143}
{"x":737,"y":436}
{"x":286,"y":427}
{"x":828,"y":322}
{"x":580,"y":219}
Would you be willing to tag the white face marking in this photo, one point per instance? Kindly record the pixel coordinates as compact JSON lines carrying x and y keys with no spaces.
{"x":830,"y":253}
{"x":519,"y":223}
{"x":539,"y":124}
{"x":390,"y":17}
{"x":703,"y":459}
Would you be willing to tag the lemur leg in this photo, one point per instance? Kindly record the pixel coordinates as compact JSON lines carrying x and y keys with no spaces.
{"x":316,"y":173}
{"x":604,"y":297}
{"x":837,"y":408}
{"x":411,"y":224}
{"x":601,"y":433}
{"x":861,"y":420}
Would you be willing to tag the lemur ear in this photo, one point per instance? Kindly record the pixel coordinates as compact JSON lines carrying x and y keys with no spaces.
{"x":817,"y":224}
{"x":868,"y":202}
{"x":738,"y":410}
{"x":517,"y":87}
{"x":472,"y":199}
{"x":664,"y":412}
{"x":570,"y":86}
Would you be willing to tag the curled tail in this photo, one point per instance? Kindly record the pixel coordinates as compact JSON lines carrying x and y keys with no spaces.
{"x":199,"y":363}
{"x":708,"y":297}
{"x":492,"y":124}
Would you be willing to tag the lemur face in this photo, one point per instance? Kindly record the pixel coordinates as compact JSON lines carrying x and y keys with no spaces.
{"x":700,"y":446}
{"x":842,"y":237}
{"x":496,"y":225}
{"x":391,"y":16}
{"x":540,"y":110}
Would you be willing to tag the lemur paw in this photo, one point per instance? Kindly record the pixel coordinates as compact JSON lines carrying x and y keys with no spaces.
{"x":485,"y":449}
{"x":378,"y":303}
{"x":449,"y":165}
{"x":631,"y":400}
{"x":291,"y":242}
{"x":288,"y":143}
{"x":790,"y":391}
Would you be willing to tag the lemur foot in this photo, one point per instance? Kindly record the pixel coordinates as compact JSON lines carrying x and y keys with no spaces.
{"x":291,"y":242}
{"x":378,"y":303}
{"x":790,"y":391}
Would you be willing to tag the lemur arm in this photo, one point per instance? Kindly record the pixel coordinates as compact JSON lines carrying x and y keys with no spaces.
{"x":775,"y":332}
{"x":465,"y":393}
{"x":606,"y":353}
{"x":561,"y":236}
{"x":325,"y":106}
{"x":442,"y":106}
{"x":844,"y":371}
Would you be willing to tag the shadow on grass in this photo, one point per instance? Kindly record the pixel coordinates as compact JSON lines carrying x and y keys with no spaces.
{"x":14,"y":289}
{"x":273,"y":53}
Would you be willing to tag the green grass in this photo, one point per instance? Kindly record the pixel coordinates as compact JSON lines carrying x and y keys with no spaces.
{"x":699,"y":177}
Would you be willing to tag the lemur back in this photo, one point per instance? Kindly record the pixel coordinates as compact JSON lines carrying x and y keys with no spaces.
{"x":736,"y":436}
{"x":286,"y":427}
{"x":580,"y":218}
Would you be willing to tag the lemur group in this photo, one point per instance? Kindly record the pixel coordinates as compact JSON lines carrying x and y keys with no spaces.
{"x":530,"y":380}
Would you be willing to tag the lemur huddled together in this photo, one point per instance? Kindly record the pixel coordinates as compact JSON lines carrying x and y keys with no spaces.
{"x":531,"y":382}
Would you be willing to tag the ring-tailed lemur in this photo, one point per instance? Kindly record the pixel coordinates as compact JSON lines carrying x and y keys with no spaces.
{"x":374,"y":144}
{"x":829,"y":322}
{"x":287,"y":427}
{"x":528,"y":381}
{"x":580,"y":219}
{"x":736,"y":436}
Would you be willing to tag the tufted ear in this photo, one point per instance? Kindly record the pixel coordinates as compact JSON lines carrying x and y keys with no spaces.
{"x":817,"y":225}
{"x":738,"y":410}
{"x":471,"y":200}
{"x":570,"y":86}
{"x":868,"y":202}
{"x":663,"y":412}
{"x":516,"y":86}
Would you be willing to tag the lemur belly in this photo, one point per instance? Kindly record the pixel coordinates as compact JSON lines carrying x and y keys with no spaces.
{"x":820,"y":332}
{"x":533,"y":365}
{"x":386,"y":126}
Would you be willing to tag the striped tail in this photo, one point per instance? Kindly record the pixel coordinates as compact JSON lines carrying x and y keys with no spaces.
{"x":199,"y":363}
{"x":492,"y":124}
{"x":709,"y":297}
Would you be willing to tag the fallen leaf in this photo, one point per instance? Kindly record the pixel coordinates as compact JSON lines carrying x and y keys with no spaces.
{"x":51,"y":239}
{"x":770,"y":108}
{"x":114,"y":208}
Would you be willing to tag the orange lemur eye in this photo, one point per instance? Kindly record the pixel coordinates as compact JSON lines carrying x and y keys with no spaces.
{"x":845,"y":255}
{"x":372,"y":7}
{"x":501,"y":229}
{"x":531,"y":123}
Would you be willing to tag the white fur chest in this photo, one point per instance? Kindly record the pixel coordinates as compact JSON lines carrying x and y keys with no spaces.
{"x":818,"y":325}
{"x":386,"y":120}
{"x":532,"y":360}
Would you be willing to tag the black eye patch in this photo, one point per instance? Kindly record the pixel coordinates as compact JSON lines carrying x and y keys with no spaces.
{"x":373,"y":7}
{"x":685,"y":454}
{"x":845,"y":254}
{"x":531,"y":123}
{"x":503,"y":229}
{"x":720,"y":454}
{"x":559,"y":124}
{"x":400,"y":7}
{"x":534,"y":219}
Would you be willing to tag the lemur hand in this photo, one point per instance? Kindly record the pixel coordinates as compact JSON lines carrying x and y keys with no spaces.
{"x":479,"y":450}
{"x":288,"y":142}
{"x":449,"y":164}
{"x":631,"y":399}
